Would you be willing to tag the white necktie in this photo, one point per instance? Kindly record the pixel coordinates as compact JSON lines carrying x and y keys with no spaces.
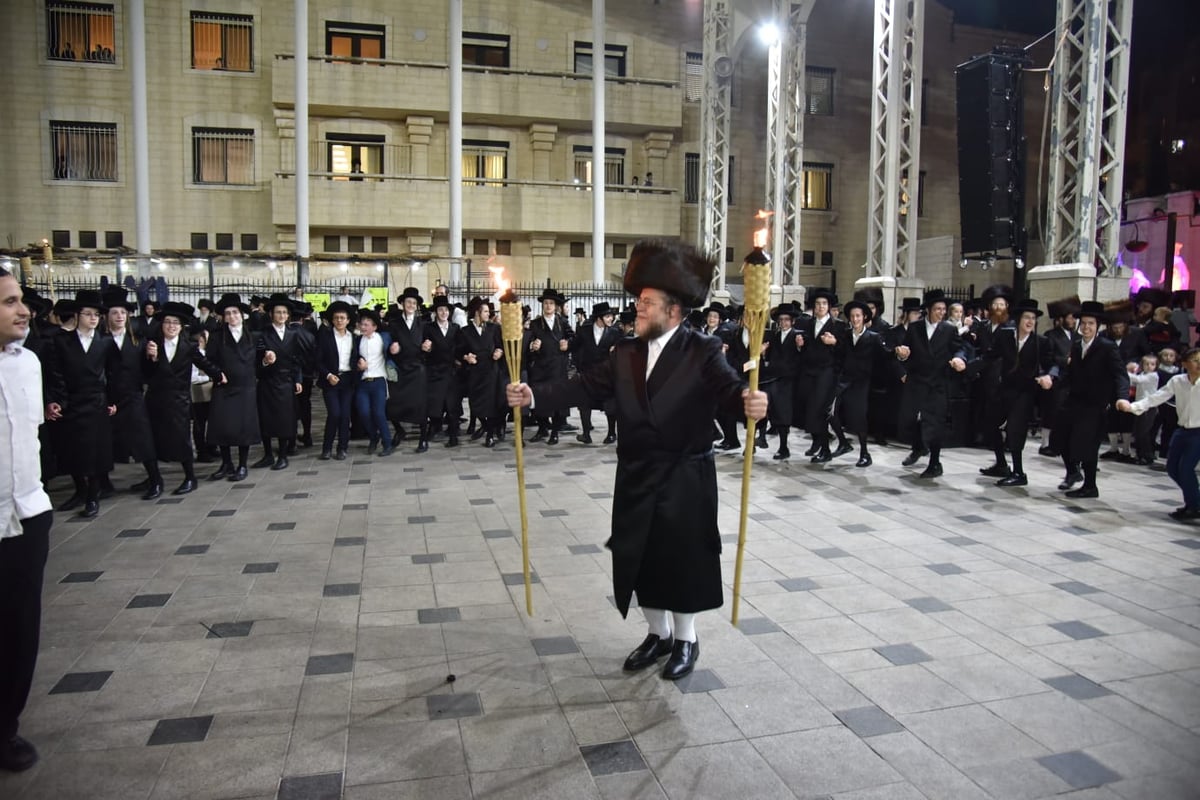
{"x":652,"y":356}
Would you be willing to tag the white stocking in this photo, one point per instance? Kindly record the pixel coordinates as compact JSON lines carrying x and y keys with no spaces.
{"x":685,"y":626}
{"x":657,"y":619}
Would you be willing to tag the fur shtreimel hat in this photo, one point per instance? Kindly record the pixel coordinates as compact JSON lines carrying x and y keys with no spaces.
{"x":677,"y":269}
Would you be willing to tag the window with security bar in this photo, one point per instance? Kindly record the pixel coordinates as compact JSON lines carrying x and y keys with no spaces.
{"x":817,"y":189}
{"x":485,"y":49}
{"x":614,"y":165}
{"x":693,"y":77}
{"x":691,"y":178}
{"x":83,"y":151}
{"x":818,"y":91}
{"x":222,"y":42}
{"x":482,"y":159}
{"x":350,"y":155}
{"x":354,"y":40}
{"x":223,"y":156}
{"x":80,"y":32}
{"x":614,"y":59}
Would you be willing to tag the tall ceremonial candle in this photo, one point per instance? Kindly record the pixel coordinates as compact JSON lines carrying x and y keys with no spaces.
{"x":513,"y":332}
{"x":756,"y":272}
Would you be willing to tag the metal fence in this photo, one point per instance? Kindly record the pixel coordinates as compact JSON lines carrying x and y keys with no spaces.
{"x":582,"y":295}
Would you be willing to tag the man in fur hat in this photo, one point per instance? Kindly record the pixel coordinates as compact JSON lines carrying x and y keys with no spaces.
{"x":668,"y":384}
{"x":547,"y":342}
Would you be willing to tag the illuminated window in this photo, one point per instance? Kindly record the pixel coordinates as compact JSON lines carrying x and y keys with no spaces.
{"x":817,"y":191}
{"x":614,"y":59}
{"x":80,"y":32}
{"x":222,"y":42}
{"x":349,"y":156}
{"x":693,"y":77}
{"x":223,"y":156}
{"x":691,"y":178}
{"x":351,"y":40}
{"x":485,"y":50}
{"x":484,"y":159}
{"x":818,"y":91}
{"x":614,"y":164}
{"x":84,"y":151}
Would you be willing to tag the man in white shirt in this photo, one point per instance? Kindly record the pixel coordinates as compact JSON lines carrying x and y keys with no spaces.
{"x":25,"y":519}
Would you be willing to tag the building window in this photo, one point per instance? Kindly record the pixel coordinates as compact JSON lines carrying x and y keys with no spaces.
{"x":614,"y":164}
{"x":728,"y":255}
{"x":87,"y":239}
{"x":224,"y":241}
{"x":818,"y":90}
{"x":351,"y":40}
{"x":379,"y":244}
{"x":80,"y":32}
{"x":620,"y":250}
{"x":924,"y":105}
{"x":485,"y":50}
{"x":249,"y":242}
{"x":504,"y":247}
{"x":355,"y":244}
{"x":578,"y":250}
{"x":479,"y":247}
{"x":808,"y":258}
{"x":333,"y":244}
{"x":199,"y":241}
{"x":223,"y":156}
{"x":729,"y":179}
{"x":222,"y":42}
{"x":906,"y":197}
{"x":693,"y":77}
{"x":817,"y":192}
{"x":349,"y":155}
{"x":483,"y":159}
{"x":691,"y":178}
{"x":826,"y":258}
{"x":114,"y":239}
{"x":84,"y":151}
{"x":60,"y":238}
{"x":614,"y":59}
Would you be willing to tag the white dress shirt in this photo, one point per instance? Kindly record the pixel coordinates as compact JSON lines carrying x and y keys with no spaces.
{"x":598,"y":333}
{"x":655,"y":348}
{"x":371,"y":350}
{"x":21,"y":492}
{"x":1186,"y":396}
{"x":930,"y":327}
{"x":119,"y":338}
{"x":85,"y":339}
{"x":169,"y":346}
{"x":344,"y":342}
{"x":236,"y":333}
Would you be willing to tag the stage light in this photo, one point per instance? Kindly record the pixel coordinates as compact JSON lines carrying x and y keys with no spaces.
{"x":768,"y":33}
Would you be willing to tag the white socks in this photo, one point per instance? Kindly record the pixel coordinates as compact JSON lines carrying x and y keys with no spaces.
{"x":659,"y":622}
{"x":685,"y":627}
{"x":663,"y":622}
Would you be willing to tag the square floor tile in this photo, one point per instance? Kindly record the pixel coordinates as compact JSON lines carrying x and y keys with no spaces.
{"x":1077,"y":630}
{"x":453,"y":706}
{"x":518,"y":578}
{"x":762,"y":516}
{"x":600,"y":495}
{"x":1078,"y":769}
{"x":354,"y":507}
{"x":929,"y":605}
{"x":534,"y":486}
{"x":1077,"y":687}
{"x":306,"y":472}
{"x":416,"y":491}
{"x":165,"y":501}
{"x":901,"y":654}
{"x":554,"y":512}
{"x":700,"y":680}
{"x":74,"y":682}
{"x":282,"y":526}
{"x":350,"y":541}
{"x":222,"y":512}
{"x":148,"y":601}
{"x":868,"y":721}
{"x":192,"y":550}
{"x":229,"y":630}
{"x":499,"y":533}
{"x":311,"y":787}
{"x":960,"y":541}
{"x":482,"y":501}
{"x":799,"y":584}
{"x":555,"y":646}
{"x":571,"y":473}
{"x":757,"y":625}
{"x":261,"y":568}
{"x":359,"y":481}
{"x":430,"y":616}
{"x":296,"y":496}
{"x":1075,"y":587}
{"x":973,"y":518}
{"x":422,"y":469}
{"x":429,"y":558}
{"x":1192,"y":544}
{"x":425,"y":520}
{"x":857,"y":528}
{"x":342,"y":589}
{"x":180,"y":730}
{"x":583,"y":549}
{"x":469,"y":477}
{"x":334,"y":664}
{"x":82,"y":577}
{"x":946,"y":569}
{"x":830,"y":552}
{"x":132,"y":533}
{"x":612,"y":758}
{"x":242,"y":486}
{"x":1076,"y":555}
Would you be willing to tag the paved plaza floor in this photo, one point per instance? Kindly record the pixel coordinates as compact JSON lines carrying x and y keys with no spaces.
{"x":357,"y":630}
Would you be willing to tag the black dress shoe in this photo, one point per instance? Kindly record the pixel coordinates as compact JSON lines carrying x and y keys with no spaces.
{"x":1184,"y":513}
{"x":842,"y":449}
{"x":727,"y":445}
{"x":187,"y":487}
{"x":682,"y":660}
{"x":612,"y":437}
{"x":90,"y":509}
{"x":782,"y":454}
{"x":280,"y":463}
{"x":306,"y":441}
{"x":864,"y":460}
{"x":372,"y":444}
{"x":291,"y":450}
{"x":1084,"y":491}
{"x":1016,"y":479}
{"x":539,"y":436}
{"x":1047,"y":450}
{"x":583,"y":438}
{"x":822,"y":456}
{"x":476,"y":435}
{"x":812,"y":451}
{"x":648,"y":652}
{"x":932,"y":471}
{"x":553,"y":438}
{"x":239,"y":474}
{"x":325,"y":455}
{"x":913,"y":457}
{"x":224,"y":472}
{"x":1110,"y":455}
{"x":71,"y":503}
{"x":340,"y":455}
{"x":263,"y":463}
{"x":490,"y":441}
{"x":996,"y":470}
{"x":387,"y":451}
{"x":17,"y":755}
{"x":154,"y":492}
{"x":1069,"y":481}
{"x":423,"y":446}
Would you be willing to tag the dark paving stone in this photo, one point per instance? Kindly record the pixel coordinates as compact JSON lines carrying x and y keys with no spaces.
{"x":469,"y":477}
{"x":762,"y":516}
{"x":170,"y":501}
{"x":868,"y":721}
{"x":960,"y":541}
{"x":1075,"y":587}
{"x":75,"y":682}
{"x":416,"y":491}
{"x":831,"y":552}
{"x":180,"y":730}
{"x":482,"y":501}
{"x":1077,"y":630}
{"x":132,"y":533}
{"x":1193,"y":544}
{"x":553,"y":455}
{"x":600,"y":495}
{"x":518,"y":578}
{"x":307,"y":472}
{"x":583,"y":549}
{"x":431,"y":616}
{"x":296,"y":496}
{"x":421,"y":520}
{"x":1077,"y":509}
{"x":222,"y":512}
{"x":700,"y":680}
{"x":242,"y":486}
{"x":799,"y":584}
{"x":342,"y":589}
{"x":972,"y":518}
{"x":574,"y":473}
{"x":362,"y":462}
{"x":354,"y":507}
{"x":757,"y":625}
{"x":499,"y":533}
{"x":533,"y":486}
{"x":729,"y":538}
{"x":334,"y":664}
{"x":429,"y":558}
{"x":929,"y":605}
{"x":229,"y":630}
{"x":1076,"y":530}
{"x":612,"y":758}
{"x":857,"y":527}
{"x":901,"y":654}
{"x":419,"y":469}
{"x":1076,"y":555}
{"x":359,"y":481}
{"x":554,"y":512}
{"x":1078,"y":769}
{"x":555,"y":646}
{"x":350,"y":541}
{"x":82,"y":577}
{"x":1077,"y":687}
{"x":789,"y":498}
{"x":148,"y":601}
{"x":311,"y":787}
{"x":192,"y":550}
{"x":453,"y":706}
{"x":260,"y":568}
{"x":1193,"y":570}
{"x":946,"y":569}
{"x":282,"y":526}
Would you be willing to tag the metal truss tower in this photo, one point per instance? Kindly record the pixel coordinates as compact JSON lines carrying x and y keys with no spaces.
{"x":1087,"y":135}
{"x":714,"y":134}
{"x":895,"y":138}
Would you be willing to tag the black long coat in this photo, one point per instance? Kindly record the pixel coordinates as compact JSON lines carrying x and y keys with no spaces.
{"x":276,"y":393}
{"x":169,"y":396}
{"x":481,"y":382}
{"x":443,"y":393}
{"x":926,"y":399}
{"x":820,"y":365}
{"x":780,"y":366}
{"x":549,"y":363}
{"x":85,"y":384}
{"x":665,"y":542}
{"x":132,"y":436}
{"x":1093,"y":383}
{"x":233,"y":415}
{"x":406,"y":397}
{"x":854,"y":384}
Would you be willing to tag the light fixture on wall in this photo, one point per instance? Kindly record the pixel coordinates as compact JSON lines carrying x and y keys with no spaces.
{"x":1136,"y":244}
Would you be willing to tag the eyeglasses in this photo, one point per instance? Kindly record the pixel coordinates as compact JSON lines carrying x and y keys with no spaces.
{"x":89,"y":314}
{"x":648,"y":302}
{"x":169,"y":321}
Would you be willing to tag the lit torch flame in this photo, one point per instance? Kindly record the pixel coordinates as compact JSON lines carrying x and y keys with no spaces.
{"x":763,"y":234}
{"x":502,"y":283}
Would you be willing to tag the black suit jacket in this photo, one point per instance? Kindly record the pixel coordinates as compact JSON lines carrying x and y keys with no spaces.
{"x":584,"y":350}
{"x":327,"y":357}
{"x":929,"y":358}
{"x":1097,"y":379}
{"x":817,"y":356}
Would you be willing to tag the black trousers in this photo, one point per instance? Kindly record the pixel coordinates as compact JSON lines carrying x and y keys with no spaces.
{"x":22,"y":562}
{"x":200,"y":427}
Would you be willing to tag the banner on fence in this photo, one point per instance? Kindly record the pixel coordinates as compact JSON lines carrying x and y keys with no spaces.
{"x":319,"y":300}
{"x":374,"y":296}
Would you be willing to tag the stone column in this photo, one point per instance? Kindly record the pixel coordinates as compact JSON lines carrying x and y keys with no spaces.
{"x":541,"y":248}
{"x":541,"y":138}
{"x":1056,"y":281}
{"x":894,"y":290}
{"x":657,"y":146}
{"x":420,"y":129}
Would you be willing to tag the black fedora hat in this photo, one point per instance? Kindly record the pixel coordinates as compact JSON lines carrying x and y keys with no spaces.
{"x":279,"y":299}
{"x":114,"y":296}
{"x":788,"y":309}
{"x":933,"y":296}
{"x":181,"y":311}
{"x":1093,"y":309}
{"x":90,"y":298}
{"x":410,"y":291}
{"x":909,"y":304}
{"x":228,"y":300}
{"x":1026,"y":306}
{"x":601,"y":310}
{"x":338,"y":306}
{"x":476,"y":303}
{"x":552,"y":294}
{"x":861,"y":306}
